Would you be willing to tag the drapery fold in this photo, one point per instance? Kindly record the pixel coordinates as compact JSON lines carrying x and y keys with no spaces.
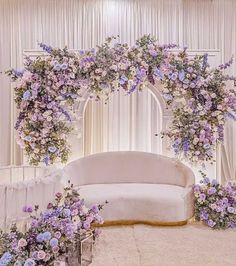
{"x":81,"y":24}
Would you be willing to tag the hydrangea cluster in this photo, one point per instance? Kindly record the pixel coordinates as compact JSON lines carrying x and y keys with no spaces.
{"x":52,"y":233}
{"x":215,"y":204}
{"x":48,"y":87}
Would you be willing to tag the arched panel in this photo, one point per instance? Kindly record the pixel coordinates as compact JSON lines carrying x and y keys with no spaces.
{"x":136,"y":106}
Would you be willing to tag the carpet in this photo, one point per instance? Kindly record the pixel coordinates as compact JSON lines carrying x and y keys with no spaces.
{"x":142,"y":245}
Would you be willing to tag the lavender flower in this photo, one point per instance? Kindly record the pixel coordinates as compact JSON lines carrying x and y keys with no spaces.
{"x":26,"y":95}
{"x":211,"y":223}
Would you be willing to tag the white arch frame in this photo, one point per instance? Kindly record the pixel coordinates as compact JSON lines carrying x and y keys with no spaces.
{"x":155,"y":90}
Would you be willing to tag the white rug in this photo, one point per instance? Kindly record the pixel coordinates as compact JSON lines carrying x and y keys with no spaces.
{"x":142,"y":245}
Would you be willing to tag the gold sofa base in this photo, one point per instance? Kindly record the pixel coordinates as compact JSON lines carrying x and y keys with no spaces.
{"x":132,"y":222}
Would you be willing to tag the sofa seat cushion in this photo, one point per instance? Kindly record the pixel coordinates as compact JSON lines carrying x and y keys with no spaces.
{"x":140,"y":201}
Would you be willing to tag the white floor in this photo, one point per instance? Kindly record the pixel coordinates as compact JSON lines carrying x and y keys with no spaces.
{"x":142,"y":245}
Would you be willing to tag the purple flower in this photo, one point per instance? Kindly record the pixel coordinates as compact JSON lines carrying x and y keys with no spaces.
{"x":28,"y":209}
{"x":196,"y":188}
{"x":5,"y":259}
{"x":66,"y":212}
{"x":47,"y":236}
{"x":204,"y":215}
{"x":95,"y":208}
{"x":123,"y":79}
{"x":64,"y":66}
{"x":53,"y":242}
{"x":206,"y":180}
{"x":190,"y":69}
{"x":86,"y":225}
{"x":46,"y":48}
{"x":202,"y":197}
{"x":26,"y":95}
{"x":34,"y":223}
{"x":57,"y":67}
{"x":18,"y":73}
{"x":153,"y":53}
{"x":40,"y":238}
{"x":181,"y":75}
{"x":225,"y":200}
{"x":214,"y":182}
{"x":174,"y":76}
{"x":52,"y":149}
{"x":158,"y":73}
{"x":211,"y":191}
{"x":29,"y":262}
{"x":211,"y":223}
{"x":230,"y":210}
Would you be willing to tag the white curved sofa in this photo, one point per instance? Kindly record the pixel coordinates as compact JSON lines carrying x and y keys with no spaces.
{"x":140,"y":187}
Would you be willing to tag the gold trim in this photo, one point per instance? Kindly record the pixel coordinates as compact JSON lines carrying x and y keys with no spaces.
{"x":132,"y":222}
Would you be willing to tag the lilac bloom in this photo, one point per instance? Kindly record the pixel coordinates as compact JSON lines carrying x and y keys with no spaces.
{"x":53,"y":242}
{"x":174,"y":76}
{"x":95,"y":208}
{"x":158,"y":73}
{"x":40,"y":238}
{"x":64,"y":66}
{"x":66,"y":212}
{"x":211,"y":223}
{"x":26,"y":95}
{"x":47,"y":236}
{"x":202,"y":197}
{"x":231,"y":210}
{"x":214,"y":182}
{"x":153,"y":53}
{"x":29,"y":262}
{"x":5,"y":259}
{"x":46,"y":48}
{"x":181,"y":75}
{"x":52,"y":149}
{"x":211,"y":191}
{"x":204,"y":215}
{"x":57,"y":67}
{"x":225,"y":200}
{"x":123,"y":79}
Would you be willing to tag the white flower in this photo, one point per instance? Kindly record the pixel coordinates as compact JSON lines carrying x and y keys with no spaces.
{"x":49,"y":118}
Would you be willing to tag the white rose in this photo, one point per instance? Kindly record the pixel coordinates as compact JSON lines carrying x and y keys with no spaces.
{"x":49,"y":118}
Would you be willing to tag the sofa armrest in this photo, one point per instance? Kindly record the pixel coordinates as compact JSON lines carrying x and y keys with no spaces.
{"x":188,"y":197}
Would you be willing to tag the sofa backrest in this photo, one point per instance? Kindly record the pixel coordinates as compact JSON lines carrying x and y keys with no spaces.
{"x":128,"y":167}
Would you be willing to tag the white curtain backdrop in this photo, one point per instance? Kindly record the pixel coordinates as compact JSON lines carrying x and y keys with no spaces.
{"x":123,"y":123}
{"x":80,"y":24}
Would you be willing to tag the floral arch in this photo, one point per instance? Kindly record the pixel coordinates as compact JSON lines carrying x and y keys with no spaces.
{"x":50,"y":88}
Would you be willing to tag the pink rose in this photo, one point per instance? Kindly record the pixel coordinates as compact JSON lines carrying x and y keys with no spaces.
{"x":59,"y":263}
{"x":74,"y":212}
{"x":41,"y":255}
{"x":47,"y":257}
{"x":57,"y":234}
{"x":22,"y":243}
{"x":55,"y":249}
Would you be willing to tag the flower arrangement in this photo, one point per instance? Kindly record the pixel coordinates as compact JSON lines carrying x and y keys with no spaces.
{"x":215,"y":204}
{"x":52,"y":233}
{"x":200,"y":103}
{"x":49,"y":86}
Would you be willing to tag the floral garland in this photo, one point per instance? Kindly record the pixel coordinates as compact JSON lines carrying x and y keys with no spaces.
{"x":51,"y":234}
{"x":215,"y":204}
{"x":49,"y":86}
